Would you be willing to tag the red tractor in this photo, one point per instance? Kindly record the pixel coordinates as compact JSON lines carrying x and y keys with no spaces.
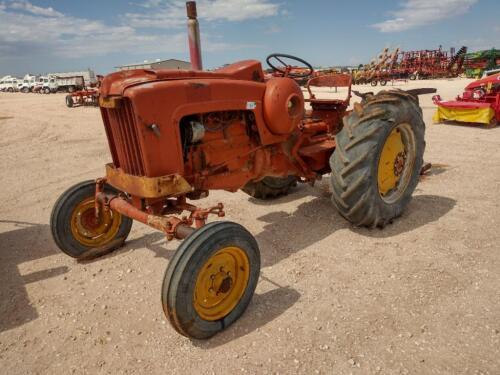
{"x":174,"y":135}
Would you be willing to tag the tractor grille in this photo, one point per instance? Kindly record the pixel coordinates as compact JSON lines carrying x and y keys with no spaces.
{"x":123,"y":138}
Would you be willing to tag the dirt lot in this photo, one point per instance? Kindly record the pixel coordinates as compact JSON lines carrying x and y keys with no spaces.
{"x":419,"y":297}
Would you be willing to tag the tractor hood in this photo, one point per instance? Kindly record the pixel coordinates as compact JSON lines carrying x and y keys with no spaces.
{"x":115,"y":84}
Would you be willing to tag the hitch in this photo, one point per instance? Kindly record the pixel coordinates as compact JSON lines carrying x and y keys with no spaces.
{"x":172,"y":226}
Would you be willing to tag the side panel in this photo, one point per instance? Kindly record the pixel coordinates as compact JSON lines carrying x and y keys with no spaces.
{"x":164,"y":104}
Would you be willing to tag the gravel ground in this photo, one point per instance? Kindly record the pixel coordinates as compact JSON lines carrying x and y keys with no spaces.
{"x":419,"y":297}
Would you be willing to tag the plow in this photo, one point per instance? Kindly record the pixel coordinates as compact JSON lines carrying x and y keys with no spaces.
{"x":176,"y":135}
{"x":479,"y":104}
{"x":422,"y":64}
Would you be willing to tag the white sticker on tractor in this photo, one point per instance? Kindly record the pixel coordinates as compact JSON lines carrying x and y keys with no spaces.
{"x":251,"y":105}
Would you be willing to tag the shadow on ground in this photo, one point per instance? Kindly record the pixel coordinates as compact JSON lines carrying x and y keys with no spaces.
{"x":263,"y":309}
{"x":26,"y":243}
{"x":285,"y":234}
{"x":29,"y":242}
{"x":469,"y":125}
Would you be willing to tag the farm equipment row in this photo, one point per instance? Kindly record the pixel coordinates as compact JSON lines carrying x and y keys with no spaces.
{"x":423,"y":64}
{"x":480,"y":62}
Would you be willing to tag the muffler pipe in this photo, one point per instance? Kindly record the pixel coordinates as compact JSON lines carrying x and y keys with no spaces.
{"x":194,"y":36}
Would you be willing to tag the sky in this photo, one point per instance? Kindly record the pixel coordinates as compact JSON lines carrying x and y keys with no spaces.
{"x":41,"y":36}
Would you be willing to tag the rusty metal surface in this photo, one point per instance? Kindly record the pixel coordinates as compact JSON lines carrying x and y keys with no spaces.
{"x":194,"y":36}
{"x":175,"y":133}
{"x":172,"y":226}
{"x":147,"y":187}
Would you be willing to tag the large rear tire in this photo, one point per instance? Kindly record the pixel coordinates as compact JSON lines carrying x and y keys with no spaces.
{"x":378,"y":158}
{"x":270,"y":187}
{"x":211,"y":279}
{"x":75,"y":229}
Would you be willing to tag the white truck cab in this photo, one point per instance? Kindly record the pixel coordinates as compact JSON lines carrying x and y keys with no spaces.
{"x":9,"y":84}
{"x":50,"y":85}
{"x":28,"y":83}
{"x":3,"y":81}
{"x":46,"y":85}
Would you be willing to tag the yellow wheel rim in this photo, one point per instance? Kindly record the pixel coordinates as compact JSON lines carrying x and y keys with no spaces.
{"x":221,"y":283}
{"x":91,"y":231}
{"x":396,"y":162}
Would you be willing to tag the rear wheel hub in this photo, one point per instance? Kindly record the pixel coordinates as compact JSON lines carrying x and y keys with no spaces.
{"x":396,"y":162}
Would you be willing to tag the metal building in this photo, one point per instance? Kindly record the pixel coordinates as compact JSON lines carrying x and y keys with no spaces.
{"x":157,"y":64}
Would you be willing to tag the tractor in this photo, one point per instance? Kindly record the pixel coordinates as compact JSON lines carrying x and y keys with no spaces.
{"x":174,"y":135}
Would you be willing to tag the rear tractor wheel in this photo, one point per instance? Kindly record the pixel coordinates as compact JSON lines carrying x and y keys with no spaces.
{"x":76,"y":229}
{"x":211,"y":279}
{"x":378,"y":158}
{"x":270,"y":187}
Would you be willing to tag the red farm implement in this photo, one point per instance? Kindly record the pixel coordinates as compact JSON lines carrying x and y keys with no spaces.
{"x":423,"y":64}
{"x":87,"y":97}
{"x":479,"y":103}
{"x":432,"y":63}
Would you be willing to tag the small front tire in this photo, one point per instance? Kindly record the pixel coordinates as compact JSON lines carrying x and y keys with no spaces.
{"x":76,"y":230}
{"x":211,"y":279}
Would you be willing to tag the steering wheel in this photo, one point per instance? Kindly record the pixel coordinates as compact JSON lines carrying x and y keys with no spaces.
{"x":285,"y":68}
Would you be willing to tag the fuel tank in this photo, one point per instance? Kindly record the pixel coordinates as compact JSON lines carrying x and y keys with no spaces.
{"x":283,"y":105}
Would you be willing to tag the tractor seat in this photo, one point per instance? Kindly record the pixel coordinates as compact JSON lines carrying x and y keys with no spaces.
{"x":331,"y":80}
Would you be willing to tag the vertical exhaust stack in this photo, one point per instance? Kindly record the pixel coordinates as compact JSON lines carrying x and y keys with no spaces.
{"x":194,"y":36}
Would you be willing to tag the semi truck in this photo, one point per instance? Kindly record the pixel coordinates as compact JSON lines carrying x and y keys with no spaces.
{"x":88,"y":76}
{"x":53,"y":84}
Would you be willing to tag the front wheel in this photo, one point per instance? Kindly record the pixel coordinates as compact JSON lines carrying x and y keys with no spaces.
{"x":78,"y":232}
{"x":211,"y":279}
{"x":378,"y":158}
